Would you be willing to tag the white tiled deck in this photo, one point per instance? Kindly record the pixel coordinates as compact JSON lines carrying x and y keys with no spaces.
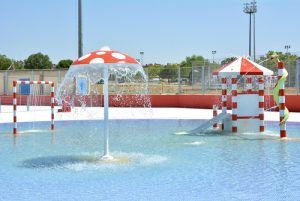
{"x":42,"y":113}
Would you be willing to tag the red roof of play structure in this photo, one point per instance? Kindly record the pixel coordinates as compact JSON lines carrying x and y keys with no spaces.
{"x":242,"y":66}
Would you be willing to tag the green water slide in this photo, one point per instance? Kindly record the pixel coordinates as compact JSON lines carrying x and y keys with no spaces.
{"x":278,"y":86}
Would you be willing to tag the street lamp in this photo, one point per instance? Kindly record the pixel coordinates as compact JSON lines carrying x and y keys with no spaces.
{"x":209,"y":67}
{"x":251,"y":9}
{"x":213,"y":53}
{"x":142,"y":58}
{"x":287,"y":47}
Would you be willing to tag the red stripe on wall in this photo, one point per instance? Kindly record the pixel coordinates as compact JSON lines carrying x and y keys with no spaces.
{"x":180,"y":101}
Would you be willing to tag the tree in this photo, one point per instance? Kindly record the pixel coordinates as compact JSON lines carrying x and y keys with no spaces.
{"x":4,"y":62}
{"x":18,"y":64}
{"x":38,"y":61}
{"x":228,"y":60}
{"x":270,"y":59}
{"x":189,"y":62}
{"x":193,"y":60}
{"x":65,"y":63}
{"x":170,"y":72}
{"x":153,"y":70}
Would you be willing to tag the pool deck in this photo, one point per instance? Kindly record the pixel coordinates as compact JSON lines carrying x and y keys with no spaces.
{"x":42,"y":113}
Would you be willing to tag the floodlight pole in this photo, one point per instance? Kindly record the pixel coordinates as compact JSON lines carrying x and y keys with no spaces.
{"x":250,"y":35}
{"x":79,"y":29}
{"x":251,"y":8}
{"x":287,"y":47}
{"x":254,"y":51}
{"x":213,"y":54}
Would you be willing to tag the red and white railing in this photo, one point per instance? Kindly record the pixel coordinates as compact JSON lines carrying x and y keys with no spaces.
{"x":15,"y":83}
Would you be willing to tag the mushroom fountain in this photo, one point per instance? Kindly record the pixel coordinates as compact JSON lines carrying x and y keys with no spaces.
{"x":107,"y":67}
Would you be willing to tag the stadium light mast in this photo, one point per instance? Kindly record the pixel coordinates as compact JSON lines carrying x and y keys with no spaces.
{"x":287,"y":47}
{"x":251,"y":9}
{"x":79,"y":29}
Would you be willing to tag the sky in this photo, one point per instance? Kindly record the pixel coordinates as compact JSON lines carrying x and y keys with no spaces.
{"x":165,"y":30}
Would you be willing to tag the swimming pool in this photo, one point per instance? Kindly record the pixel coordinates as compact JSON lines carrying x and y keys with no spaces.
{"x":156,"y":165}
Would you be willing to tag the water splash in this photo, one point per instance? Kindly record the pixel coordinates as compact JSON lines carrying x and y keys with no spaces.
{"x":124,"y":79}
{"x":80,"y":80}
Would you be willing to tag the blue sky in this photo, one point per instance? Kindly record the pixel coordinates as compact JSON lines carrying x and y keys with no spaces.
{"x":166,"y":30}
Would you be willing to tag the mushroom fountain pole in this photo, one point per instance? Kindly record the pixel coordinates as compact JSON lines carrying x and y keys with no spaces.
{"x":106,"y":155}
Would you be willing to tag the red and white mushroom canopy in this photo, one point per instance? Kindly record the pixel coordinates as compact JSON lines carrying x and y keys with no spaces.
{"x":105,"y":56}
{"x":242,"y":66}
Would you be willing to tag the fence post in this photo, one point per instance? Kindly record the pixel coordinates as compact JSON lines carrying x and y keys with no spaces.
{"x":91,"y":100}
{"x":5,"y":79}
{"x":179,"y":81}
{"x":59,"y":77}
{"x":27,"y":99}
{"x":202,"y":80}
{"x":192,"y":81}
{"x":298,"y":76}
{"x":32,"y":75}
{"x":208,"y":75}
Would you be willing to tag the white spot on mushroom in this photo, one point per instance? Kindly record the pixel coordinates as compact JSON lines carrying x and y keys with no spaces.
{"x":121,"y":62}
{"x":118,"y":55}
{"x":97,"y":61}
{"x":100,"y":53}
{"x":105,"y":48}
{"x":84,"y":57}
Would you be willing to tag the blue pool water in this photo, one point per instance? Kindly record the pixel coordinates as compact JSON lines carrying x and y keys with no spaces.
{"x":155,"y":163}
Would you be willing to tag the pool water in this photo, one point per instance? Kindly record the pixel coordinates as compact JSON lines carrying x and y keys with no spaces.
{"x":154,"y":163}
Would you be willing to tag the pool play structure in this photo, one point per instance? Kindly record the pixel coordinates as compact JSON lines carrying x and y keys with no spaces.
{"x":248,"y":105}
{"x":98,"y":67}
{"x":225,"y":158}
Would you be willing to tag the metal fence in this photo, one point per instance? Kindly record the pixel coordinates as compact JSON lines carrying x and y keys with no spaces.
{"x":183,"y":80}
{"x":199,"y":80}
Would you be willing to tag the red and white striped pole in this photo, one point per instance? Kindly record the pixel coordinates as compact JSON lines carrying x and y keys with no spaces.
{"x":281,"y":94}
{"x":234,"y":104}
{"x":261,"y":110}
{"x":215,"y":113}
{"x":224,"y":97}
{"x":15,"y":106}
{"x":249,"y":84}
{"x":52,"y":106}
